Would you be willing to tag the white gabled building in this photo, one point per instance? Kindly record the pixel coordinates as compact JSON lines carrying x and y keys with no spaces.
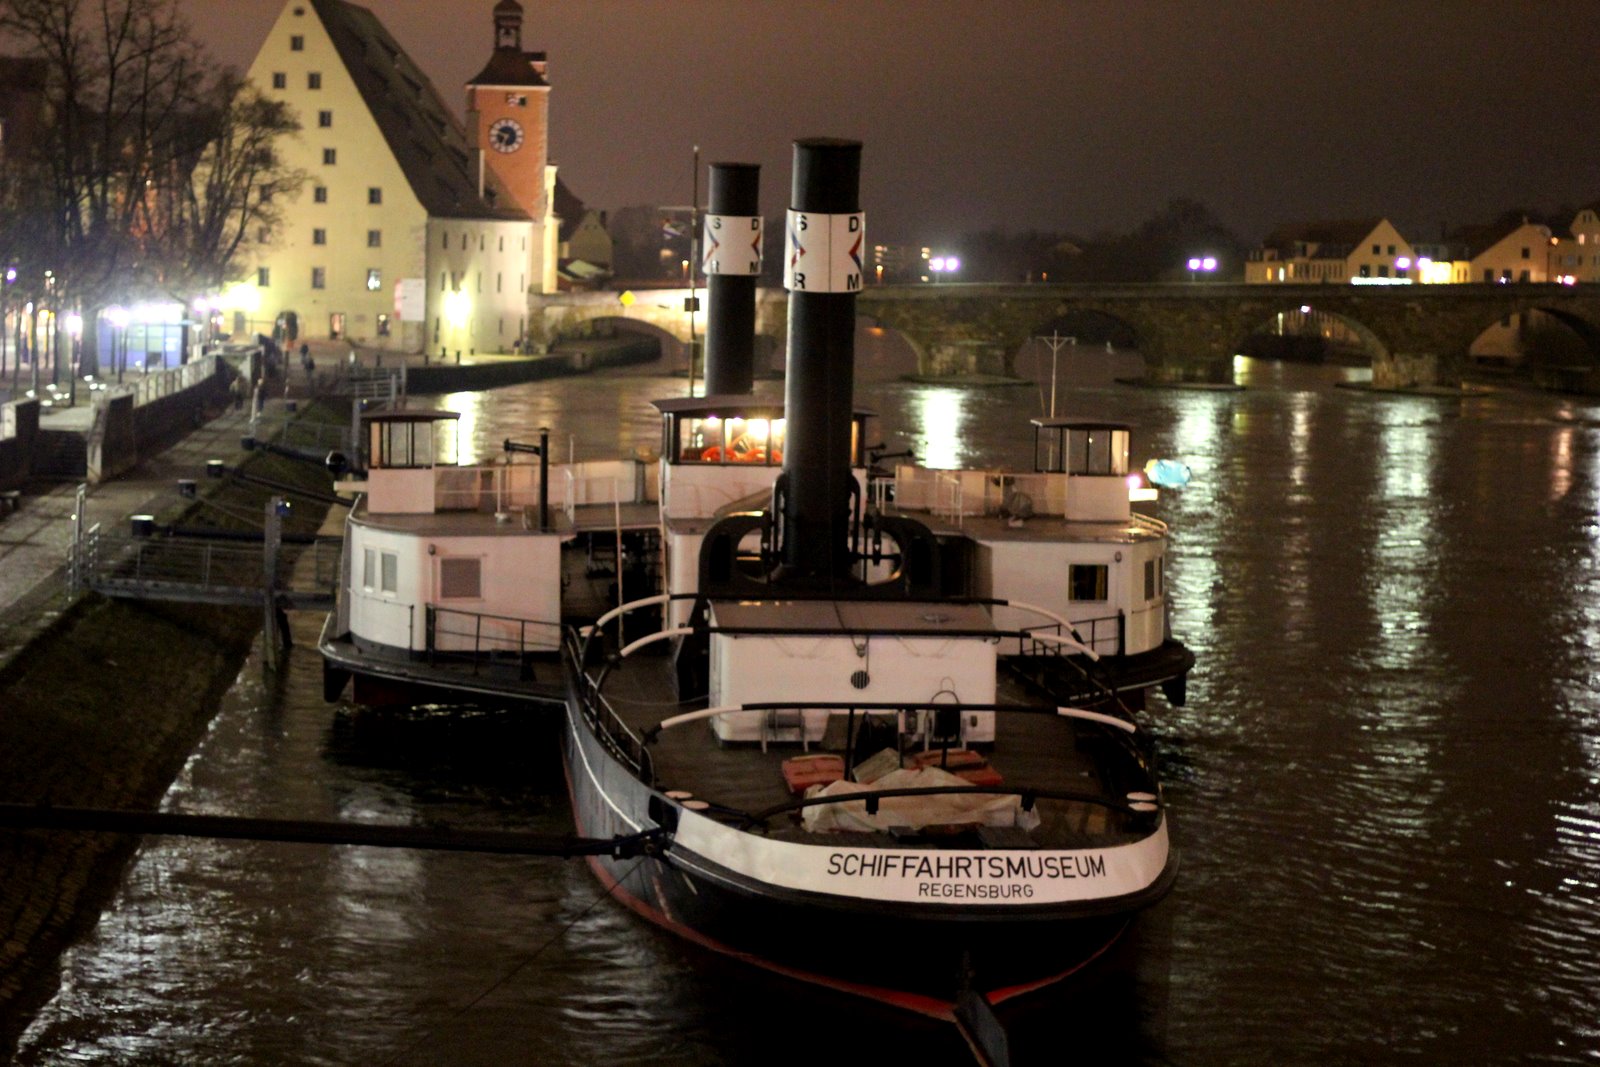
{"x":410,"y":232}
{"x":1358,"y":251}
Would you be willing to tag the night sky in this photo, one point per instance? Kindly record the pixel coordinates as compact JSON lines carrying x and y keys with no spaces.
{"x":1074,"y":115}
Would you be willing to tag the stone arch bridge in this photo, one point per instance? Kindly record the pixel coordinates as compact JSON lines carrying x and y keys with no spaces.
{"x":1420,"y":334}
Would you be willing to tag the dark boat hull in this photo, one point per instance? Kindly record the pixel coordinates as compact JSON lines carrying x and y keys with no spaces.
{"x":908,"y":955}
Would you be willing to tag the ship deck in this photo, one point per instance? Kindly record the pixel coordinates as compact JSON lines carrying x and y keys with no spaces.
{"x":1038,"y":751}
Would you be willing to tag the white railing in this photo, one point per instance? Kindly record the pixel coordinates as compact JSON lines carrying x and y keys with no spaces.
{"x":1145,"y":522}
{"x":505,"y":487}
{"x":153,"y":385}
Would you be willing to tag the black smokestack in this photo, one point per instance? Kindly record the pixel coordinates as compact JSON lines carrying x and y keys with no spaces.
{"x":822,"y":272}
{"x":732,"y":264}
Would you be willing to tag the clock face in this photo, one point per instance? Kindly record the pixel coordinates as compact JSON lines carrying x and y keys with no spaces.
{"x":505,"y":135}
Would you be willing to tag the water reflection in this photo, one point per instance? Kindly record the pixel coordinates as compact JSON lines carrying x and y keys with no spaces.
{"x":1385,"y":786}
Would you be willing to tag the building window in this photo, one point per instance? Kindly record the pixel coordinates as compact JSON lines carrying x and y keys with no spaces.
{"x":391,"y":572}
{"x":443,"y":285}
{"x":297,"y":43}
{"x":374,"y":280}
{"x":1383,"y":270}
{"x":330,"y":156}
{"x":313,"y":80}
{"x":374,"y":238}
{"x":497,"y":281}
{"x":502,"y":242}
{"x":463,"y":242}
{"x":460,"y":579}
{"x":1488,"y":274}
{"x":1527,"y":253}
{"x":1377,"y":250}
{"x":324,"y":119}
{"x":1366,"y":271}
{"x":319,"y":278}
{"x":320,"y":194}
{"x":1086,"y":581}
{"x":1523,"y":276}
{"x":319,"y":237}
{"x":1391,"y":250}
{"x":263,"y":276}
{"x":374,"y":195}
{"x":280,"y":80}
{"x":480,"y":242}
{"x":383,"y":326}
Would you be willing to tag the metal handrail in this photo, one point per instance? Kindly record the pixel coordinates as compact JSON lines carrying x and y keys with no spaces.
{"x":609,"y":727}
{"x":1026,"y":794}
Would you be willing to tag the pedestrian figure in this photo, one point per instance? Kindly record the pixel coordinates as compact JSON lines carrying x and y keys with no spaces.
{"x":310,"y":366}
{"x":237,"y":389}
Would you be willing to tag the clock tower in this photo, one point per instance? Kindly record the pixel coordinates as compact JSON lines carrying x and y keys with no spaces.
{"x":508,"y":106}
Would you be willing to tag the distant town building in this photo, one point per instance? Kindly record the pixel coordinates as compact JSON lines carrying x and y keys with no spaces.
{"x":412,"y":231}
{"x":1508,"y":253}
{"x":1361,"y":251}
{"x":1576,"y":258}
{"x":899,"y":263}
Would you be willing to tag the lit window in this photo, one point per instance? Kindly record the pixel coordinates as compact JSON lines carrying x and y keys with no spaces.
{"x":1087,"y":581}
{"x":374,"y":280}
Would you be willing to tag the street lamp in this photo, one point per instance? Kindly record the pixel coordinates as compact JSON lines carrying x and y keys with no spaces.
{"x":943,"y":265}
{"x":1198,"y":264}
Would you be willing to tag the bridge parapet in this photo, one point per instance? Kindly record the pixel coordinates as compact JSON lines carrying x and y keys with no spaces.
{"x":1184,"y":330}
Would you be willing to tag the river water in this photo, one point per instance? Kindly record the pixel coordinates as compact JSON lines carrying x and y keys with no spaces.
{"x":1385,"y":785}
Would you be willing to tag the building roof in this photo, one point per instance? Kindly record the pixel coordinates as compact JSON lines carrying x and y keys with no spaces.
{"x":513,"y":67}
{"x":1334,"y":238}
{"x":1476,"y":240}
{"x":428,"y":142}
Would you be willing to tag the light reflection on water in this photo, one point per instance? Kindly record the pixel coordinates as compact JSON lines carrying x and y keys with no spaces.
{"x":1386,"y":786}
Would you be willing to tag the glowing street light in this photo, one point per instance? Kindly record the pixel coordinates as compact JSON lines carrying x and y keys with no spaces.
{"x":1201,"y":264}
{"x":943,"y":265}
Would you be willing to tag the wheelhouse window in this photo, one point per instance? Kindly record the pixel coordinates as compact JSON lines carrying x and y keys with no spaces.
{"x":1149,"y":579}
{"x":734,"y":440}
{"x":1087,"y":581}
{"x":369,"y":568}
{"x":391,"y":572}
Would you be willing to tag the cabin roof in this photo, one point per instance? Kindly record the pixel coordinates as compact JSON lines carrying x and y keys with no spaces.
{"x":733,"y":404}
{"x":840,"y":617}
{"x":410,"y":415}
{"x":1081,"y":423}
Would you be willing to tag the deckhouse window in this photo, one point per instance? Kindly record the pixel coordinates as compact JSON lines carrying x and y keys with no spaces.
{"x":1149,"y":579}
{"x":391,"y":572}
{"x":369,"y":568}
{"x":460,"y":578}
{"x":1087,"y":581}
{"x":733,"y":440}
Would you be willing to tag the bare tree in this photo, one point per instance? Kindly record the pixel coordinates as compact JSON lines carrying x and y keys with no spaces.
{"x":153,"y":165}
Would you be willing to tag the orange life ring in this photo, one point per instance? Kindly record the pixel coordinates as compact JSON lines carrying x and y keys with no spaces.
{"x":711,"y":455}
